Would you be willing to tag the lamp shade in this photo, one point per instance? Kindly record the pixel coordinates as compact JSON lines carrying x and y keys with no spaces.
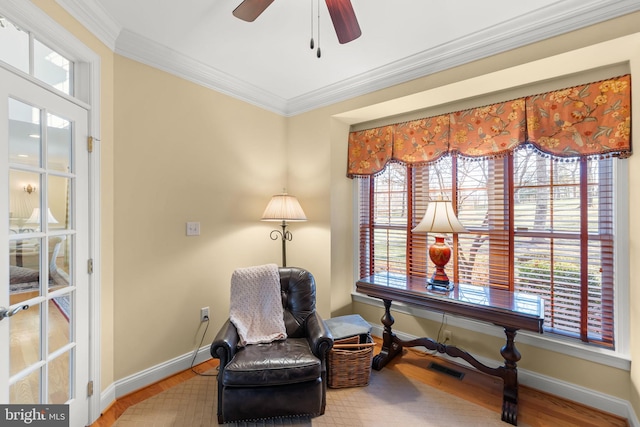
{"x":35,"y":217}
{"x":283,"y":207}
{"x":440,"y":218}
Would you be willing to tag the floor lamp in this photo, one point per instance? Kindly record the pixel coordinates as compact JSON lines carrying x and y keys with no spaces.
{"x":283,"y":207}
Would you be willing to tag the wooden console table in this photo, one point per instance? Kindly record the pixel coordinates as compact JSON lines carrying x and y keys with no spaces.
{"x":509,"y":310}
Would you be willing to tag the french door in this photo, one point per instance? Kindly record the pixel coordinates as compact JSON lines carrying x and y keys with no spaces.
{"x":44,"y":246}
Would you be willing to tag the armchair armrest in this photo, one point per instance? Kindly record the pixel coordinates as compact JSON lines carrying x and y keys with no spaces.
{"x":225,"y":344}
{"x":318,"y":335}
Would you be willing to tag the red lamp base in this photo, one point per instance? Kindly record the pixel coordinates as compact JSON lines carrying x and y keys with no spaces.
{"x":440,"y":255}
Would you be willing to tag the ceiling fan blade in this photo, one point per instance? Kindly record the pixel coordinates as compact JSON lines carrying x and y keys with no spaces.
{"x":249,"y":10}
{"x":344,"y":20}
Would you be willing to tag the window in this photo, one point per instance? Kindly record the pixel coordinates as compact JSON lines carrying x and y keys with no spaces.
{"x":532,"y":180}
{"x":23,"y":51}
{"x":537,"y":223}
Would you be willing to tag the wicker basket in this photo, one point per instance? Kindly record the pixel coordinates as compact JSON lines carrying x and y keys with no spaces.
{"x":350,"y":362}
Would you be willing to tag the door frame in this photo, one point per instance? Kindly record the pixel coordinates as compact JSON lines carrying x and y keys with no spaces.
{"x":87,"y":80}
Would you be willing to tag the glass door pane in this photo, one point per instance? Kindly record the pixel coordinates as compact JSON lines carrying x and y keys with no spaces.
{"x":14,"y":45}
{"x":25,"y":133}
{"x":44,"y":349}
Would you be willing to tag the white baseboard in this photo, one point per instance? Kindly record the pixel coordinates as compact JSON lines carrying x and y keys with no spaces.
{"x":547,"y":384}
{"x":107,"y":397}
{"x":151,"y":375}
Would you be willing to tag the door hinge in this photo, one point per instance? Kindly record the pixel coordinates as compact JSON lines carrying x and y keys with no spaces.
{"x":90,"y":389}
{"x":90,"y":266}
{"x":90,"y":144}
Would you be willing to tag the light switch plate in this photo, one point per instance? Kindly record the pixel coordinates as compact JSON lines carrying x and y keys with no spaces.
{"x":193,"y":228}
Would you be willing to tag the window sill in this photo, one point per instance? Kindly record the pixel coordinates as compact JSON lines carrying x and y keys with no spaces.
{"x":549,"y":342}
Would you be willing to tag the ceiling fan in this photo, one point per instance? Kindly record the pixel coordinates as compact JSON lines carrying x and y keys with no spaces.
{"x":341,"y":12}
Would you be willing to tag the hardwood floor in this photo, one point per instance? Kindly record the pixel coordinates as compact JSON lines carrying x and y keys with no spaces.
{"x":536,"y":408}
{"x":25,"y":350}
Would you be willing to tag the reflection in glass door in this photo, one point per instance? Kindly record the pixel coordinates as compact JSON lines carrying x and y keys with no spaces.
{"x":44,"y":349}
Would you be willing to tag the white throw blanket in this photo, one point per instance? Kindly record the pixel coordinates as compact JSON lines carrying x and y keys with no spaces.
{"x":256,"y":305}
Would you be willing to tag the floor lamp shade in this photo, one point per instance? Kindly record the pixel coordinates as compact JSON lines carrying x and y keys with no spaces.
{"x":441,"y":219}
{"x":282,"y":208}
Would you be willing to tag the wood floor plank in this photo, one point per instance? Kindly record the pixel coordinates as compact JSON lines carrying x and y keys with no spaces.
{"x":25,"y":350}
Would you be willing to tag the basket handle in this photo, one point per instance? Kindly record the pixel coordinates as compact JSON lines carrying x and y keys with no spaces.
{"x":369,"y":344}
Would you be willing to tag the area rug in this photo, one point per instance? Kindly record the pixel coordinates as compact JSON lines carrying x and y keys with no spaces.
{"x":62,"y":302}
{"x":64,"y":305}
{"x":389,"y":399}
{"x":21,"y":286}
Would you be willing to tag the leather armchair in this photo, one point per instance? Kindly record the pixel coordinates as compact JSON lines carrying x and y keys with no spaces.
{"x":279,"y":379}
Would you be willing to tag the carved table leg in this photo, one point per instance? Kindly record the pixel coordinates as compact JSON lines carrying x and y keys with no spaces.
{"x":510,"y":376}
{"x":390,"y":348}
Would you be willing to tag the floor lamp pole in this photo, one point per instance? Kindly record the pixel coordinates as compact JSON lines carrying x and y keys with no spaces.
{"x":284,"y":235}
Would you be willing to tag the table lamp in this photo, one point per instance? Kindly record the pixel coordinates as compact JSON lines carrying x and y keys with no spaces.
{"x":35,"y":217}
{"x":440,"y":218}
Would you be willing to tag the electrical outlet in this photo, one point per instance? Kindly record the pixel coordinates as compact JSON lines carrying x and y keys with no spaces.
{"x":447,"y":336}
{"x":193,"y":228}
{"x":204,"y":314}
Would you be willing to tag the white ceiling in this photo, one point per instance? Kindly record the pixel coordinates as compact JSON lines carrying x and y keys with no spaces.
{"x":269,"y":63}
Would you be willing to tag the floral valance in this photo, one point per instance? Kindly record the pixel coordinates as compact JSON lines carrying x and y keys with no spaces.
{"x":582,"y":121}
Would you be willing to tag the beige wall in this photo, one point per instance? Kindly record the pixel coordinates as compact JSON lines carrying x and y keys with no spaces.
{"x":184,"y":153}
{"x":174,"y":152}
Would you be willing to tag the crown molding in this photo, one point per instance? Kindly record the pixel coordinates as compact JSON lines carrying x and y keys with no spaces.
{"x":146,"y":51}
{"x":544,"y":23}
{"x":95,"y":18}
